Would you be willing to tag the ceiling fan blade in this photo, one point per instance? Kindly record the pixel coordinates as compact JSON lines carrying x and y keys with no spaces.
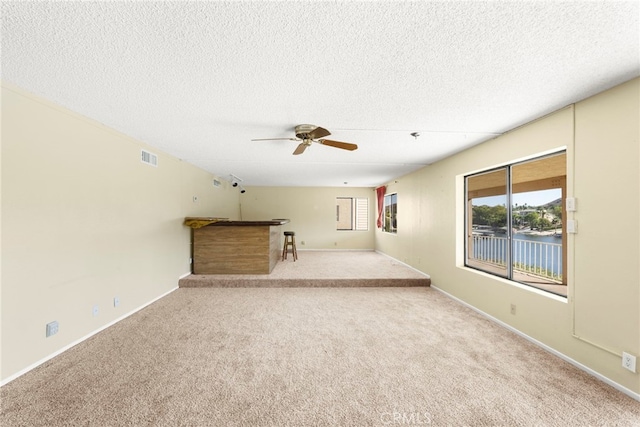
{"x":338,"y":144}
{"x":318,"y":133}
{"x":300,"y":149}
{"x":276,"y":139}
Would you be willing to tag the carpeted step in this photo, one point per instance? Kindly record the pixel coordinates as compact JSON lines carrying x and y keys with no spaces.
{"x":222,"y":281}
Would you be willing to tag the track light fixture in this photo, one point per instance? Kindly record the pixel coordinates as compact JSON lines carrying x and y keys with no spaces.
{"x":235,"y":182}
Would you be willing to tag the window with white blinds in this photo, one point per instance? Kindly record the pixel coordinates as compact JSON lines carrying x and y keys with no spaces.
{"x":352,"y":213}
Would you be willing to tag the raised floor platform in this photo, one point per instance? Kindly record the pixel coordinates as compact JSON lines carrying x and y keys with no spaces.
{"x":321,"y":269}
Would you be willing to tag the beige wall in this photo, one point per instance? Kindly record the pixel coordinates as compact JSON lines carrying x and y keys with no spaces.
{"x":604,"y":282}
{"x":607,"y":247}
{"x":312,"y":211}
{"x":84,"y":221}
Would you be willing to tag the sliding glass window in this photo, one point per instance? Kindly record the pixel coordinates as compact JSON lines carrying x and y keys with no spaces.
{"x":390,"y":213}
{"x":352,"y":214}
{"x":514,"y":226}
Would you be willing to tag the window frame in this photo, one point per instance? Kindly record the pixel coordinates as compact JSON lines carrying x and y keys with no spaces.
{"x":357,"y":210}
{"x":390,"y":223}
{"x":515,"y":186}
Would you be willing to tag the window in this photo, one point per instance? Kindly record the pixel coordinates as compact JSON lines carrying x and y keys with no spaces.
{"x":514,"y":226}
{"x":352,"y":213}
{"x":390,"y":224}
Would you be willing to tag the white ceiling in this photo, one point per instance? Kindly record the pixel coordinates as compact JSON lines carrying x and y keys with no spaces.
{"x":199,"y":80}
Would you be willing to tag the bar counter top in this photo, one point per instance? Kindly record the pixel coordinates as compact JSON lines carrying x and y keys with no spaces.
{"x":203,"y":221}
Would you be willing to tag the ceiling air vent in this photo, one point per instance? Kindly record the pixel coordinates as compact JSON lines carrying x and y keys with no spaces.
{"x":149,"y":158}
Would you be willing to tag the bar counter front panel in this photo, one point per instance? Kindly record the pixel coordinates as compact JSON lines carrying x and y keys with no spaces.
{"x":235,"y":247}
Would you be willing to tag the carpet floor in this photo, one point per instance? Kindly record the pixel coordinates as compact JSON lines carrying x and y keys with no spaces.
{"x":370,"y":356}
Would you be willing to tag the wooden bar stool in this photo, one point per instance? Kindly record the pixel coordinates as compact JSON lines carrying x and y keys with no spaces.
{"x":289,"y":240}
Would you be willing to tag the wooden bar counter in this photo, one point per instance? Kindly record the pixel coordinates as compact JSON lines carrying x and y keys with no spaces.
{"x":221,"y":246}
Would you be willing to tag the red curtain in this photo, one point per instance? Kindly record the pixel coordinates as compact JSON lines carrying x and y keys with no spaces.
{"x":380,"y":195}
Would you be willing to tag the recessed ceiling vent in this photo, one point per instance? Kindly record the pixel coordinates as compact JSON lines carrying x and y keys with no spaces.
{"x":149,"y":158}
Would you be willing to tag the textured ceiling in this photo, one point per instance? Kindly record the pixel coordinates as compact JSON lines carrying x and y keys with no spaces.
{"x":199,"y":80}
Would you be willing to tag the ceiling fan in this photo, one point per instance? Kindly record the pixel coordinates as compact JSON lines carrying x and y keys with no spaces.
{"x":308,"y":134}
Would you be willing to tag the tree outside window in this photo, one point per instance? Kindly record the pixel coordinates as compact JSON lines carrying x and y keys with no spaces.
{"x":390,"y":213}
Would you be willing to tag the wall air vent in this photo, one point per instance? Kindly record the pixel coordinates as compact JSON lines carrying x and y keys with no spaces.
{"x":149,"y":158}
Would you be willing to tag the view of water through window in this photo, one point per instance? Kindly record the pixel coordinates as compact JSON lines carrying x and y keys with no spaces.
{"x":514,"y":224}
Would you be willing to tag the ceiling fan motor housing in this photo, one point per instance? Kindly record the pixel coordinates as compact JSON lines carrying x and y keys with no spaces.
{"x":303,"y":131}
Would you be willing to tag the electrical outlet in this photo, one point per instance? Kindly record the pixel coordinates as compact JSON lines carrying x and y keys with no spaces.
{"x":52,"y":328}
{"x":95,"y":310}
{"x":513,"y":309}
{"x":116,"y":301}
{"x":629,"y":361}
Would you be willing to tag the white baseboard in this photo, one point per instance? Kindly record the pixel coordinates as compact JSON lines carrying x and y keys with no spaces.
{"x":185,"y":275}
{"x":332,"y":250}
{"x":78,"y":341}
{"x":405,"y":264}
{"x":551,"y":350}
